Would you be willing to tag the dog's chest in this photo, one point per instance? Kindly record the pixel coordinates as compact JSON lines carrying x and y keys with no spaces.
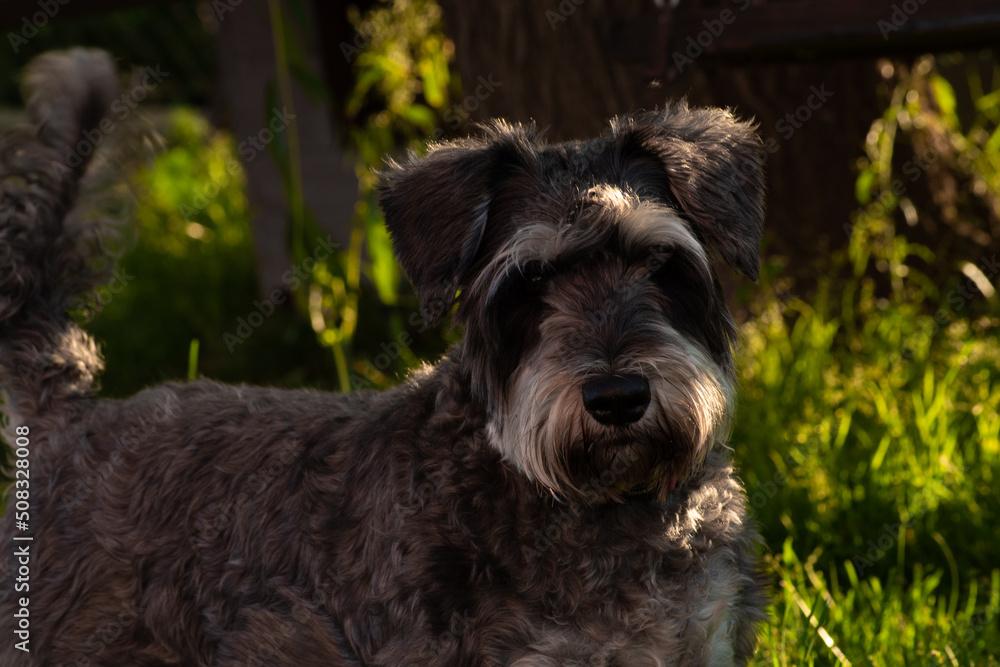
{"x":657,"y":637}
{"x":683,"y":618}
{"x":656,"y":590}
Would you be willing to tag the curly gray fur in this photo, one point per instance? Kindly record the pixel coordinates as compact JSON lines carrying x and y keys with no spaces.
{"x":205,"y":524}
{"x":49,"y":257}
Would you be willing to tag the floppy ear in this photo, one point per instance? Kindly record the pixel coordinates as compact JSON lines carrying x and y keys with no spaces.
{"x":714,"y":166}
{"x":437,"y":208}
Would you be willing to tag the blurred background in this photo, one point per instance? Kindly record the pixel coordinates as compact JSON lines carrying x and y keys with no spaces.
{"x":251,"y":250}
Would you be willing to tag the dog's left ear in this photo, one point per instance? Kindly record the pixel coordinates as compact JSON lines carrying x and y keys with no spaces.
{"x":714,"y":166}
{"x":436,"y":209}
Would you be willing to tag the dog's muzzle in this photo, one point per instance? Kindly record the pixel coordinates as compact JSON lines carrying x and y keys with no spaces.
{"x":616,"y":400}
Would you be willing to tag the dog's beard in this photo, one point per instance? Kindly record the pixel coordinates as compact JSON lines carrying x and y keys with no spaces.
{"x":544,"y":429}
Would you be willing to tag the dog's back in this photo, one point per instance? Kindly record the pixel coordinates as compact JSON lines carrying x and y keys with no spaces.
{"x":174,"y":470}
{"x":140,"y":503}
{"x":132,"y":525}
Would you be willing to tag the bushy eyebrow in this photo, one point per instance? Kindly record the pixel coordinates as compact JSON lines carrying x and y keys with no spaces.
{"x":643,"y":231}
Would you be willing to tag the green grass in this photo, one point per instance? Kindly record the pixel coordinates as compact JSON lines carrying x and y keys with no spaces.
{"x":869,"y":422}
{"x":907,"y":615}
{"x":870,"y":453}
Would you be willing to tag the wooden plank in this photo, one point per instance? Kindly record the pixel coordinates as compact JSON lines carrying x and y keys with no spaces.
{"x":18,"y":14}
{"x":806,"y":28}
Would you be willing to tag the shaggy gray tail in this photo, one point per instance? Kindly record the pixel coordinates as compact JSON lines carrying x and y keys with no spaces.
{"x":49,"y":257}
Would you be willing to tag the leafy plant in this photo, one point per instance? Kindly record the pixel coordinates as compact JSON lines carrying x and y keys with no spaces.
{"x":402,"y":84}
{"x":187,"y":272}
{"x":868,"y":423}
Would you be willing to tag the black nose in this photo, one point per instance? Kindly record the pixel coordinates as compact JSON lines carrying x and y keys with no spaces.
{"x":616,"y":400}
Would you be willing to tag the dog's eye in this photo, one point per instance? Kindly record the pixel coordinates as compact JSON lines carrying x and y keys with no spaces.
{"x":658,"y":258}
{"x":536,"y":271}
{"x":535,"y":280}
{"x":535,"y":276}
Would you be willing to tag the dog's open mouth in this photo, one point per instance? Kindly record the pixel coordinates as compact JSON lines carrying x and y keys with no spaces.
{"x":628,"y":472}
{"x":658,"y":486}
{"x":648,"y":490}
{"x":646,"y":481}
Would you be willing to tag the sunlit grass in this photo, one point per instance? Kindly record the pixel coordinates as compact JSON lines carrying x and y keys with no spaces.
{"x":871,"y":474}
{"x":868,"y":431}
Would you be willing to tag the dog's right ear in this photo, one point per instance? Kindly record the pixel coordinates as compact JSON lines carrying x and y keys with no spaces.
{"x":437,"y":208}
{"x":714,"y":166}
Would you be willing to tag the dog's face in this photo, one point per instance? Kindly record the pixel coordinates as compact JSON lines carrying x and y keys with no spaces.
{"x":596,"y":332}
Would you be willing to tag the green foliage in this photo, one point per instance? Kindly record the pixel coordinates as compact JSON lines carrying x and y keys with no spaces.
{"x":868,"y":427}
{"x":874,"y":448}
{"x":880,"y":419}
{"x":188,"y":273}
{"x":156,"y":35}
{"x":403,"y":83}
{"x":403,"y":79}
{"x":189,"y":263}
{"x":886,"y":621}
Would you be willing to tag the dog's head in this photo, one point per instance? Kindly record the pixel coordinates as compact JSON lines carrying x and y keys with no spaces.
{"x":596,"y":331}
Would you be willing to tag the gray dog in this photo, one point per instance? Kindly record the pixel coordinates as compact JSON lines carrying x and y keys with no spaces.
{"x":556,"y":491}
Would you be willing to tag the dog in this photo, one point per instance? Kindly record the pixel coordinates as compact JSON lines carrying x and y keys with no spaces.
{"x":556,"y":490}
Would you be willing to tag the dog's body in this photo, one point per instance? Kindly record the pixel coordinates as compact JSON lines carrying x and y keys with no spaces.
{"x":556,"y":491}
